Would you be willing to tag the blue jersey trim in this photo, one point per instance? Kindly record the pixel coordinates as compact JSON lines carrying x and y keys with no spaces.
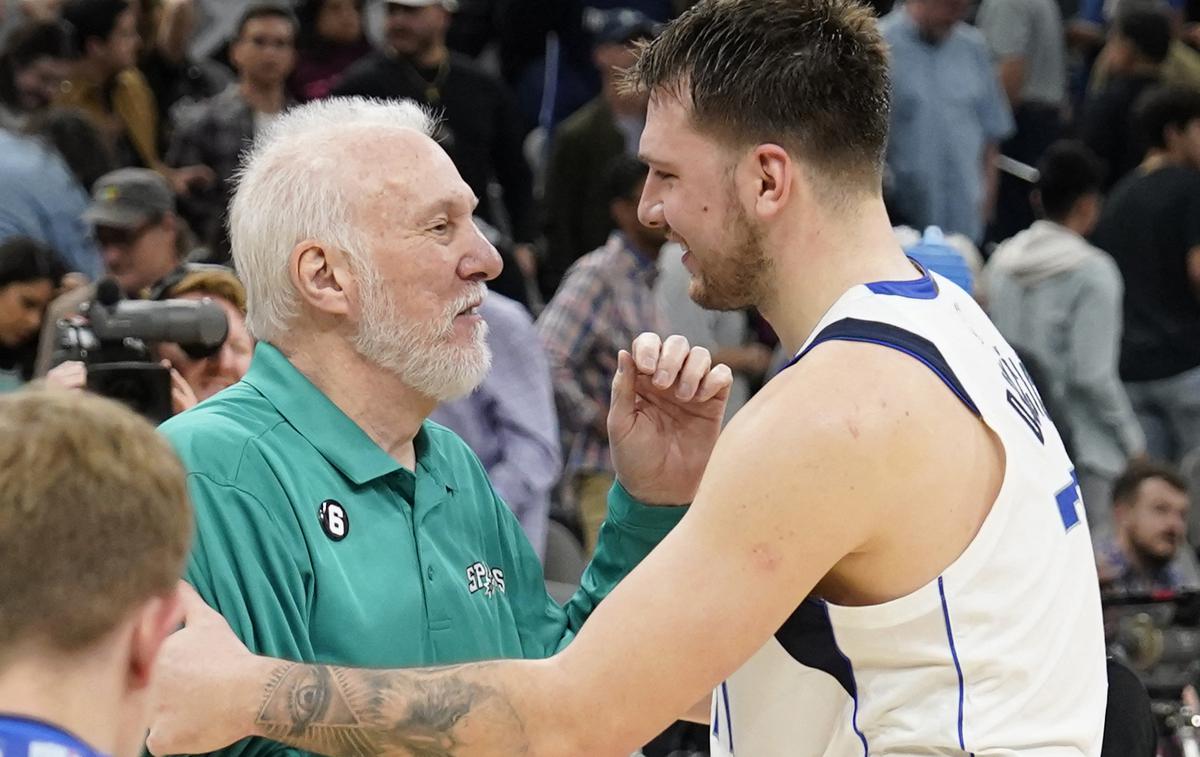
{"x":957,"y":666}
{"x":18,"y":731}
{"x":887,"y":335}
{"x":924,"y":288}
{"x":728,"y":713}
{"x":854,"y":714}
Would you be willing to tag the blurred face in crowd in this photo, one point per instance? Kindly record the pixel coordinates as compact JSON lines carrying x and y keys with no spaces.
{"x":413,"y":32}
{"x":422,"y":282}
{"x":937,"y":18}
{"x":120,"y":50}
{"x":265,"y":52}
{"x":209,"y":375}
{"x":339,"y":22}
{"x":1154,"y":523}
{"x":1119,"y":54}
{"x":140,"y":256}
{"x":611,"y":59}
{"x":39,"y":83}
{"x":691,"y":193}
{"x":1184,"y":144}
{"x":22,"y":305}
{"x":625,"y":214}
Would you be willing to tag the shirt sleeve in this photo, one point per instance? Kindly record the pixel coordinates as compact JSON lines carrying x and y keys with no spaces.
{"x":565,"y":328}
{"x":630,"y":531}
{"x":995,"y":115}
{"x":525,"y":422}
{"x":244,"y":567}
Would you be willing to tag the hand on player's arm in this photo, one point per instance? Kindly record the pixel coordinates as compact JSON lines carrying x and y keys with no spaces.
{"x":781,"y":503}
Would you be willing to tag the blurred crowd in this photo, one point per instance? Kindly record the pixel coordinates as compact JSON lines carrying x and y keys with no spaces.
{"x":1044,"y":155}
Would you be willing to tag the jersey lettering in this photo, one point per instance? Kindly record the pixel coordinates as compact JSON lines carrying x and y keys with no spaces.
{"x":1023,"y":396}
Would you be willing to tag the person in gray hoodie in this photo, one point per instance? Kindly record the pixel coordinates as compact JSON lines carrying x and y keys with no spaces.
{"x":1057,"y":299}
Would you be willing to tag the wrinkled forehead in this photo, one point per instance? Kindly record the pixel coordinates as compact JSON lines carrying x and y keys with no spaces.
{"x":396,"y":172}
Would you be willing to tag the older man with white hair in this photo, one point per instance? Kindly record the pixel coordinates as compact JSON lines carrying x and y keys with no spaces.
{"x":334,"y":522}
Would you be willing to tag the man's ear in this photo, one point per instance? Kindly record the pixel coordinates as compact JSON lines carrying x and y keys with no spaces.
{"x":772,"y":172}
{"x":157,"y":619}
{"x":322,"y":277}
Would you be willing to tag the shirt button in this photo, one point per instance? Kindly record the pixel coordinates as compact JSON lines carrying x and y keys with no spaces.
{"x":429,"y":572}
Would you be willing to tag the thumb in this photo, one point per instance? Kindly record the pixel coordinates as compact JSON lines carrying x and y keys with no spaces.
{"x":623,"y":402}
{"x":195,"y":609}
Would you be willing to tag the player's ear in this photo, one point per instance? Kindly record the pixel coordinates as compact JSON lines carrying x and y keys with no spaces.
{"x":153,"y":622}
{"x":772,"y":172}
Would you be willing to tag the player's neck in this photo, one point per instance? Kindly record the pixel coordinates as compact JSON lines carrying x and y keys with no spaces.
{"x":390,"y":412}
{"x":68,"y":692}
{"x":823,"y":253}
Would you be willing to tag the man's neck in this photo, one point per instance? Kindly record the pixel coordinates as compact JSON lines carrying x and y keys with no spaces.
{"x":263,"y":98}
{"x":1157,"y":158}
{"x":387,"y":410}
{"x":432,"y":57}
{"x":821,"y":253}
{"x":93,"y":72}
{"x":67,"y":693}
{"x":1136,"y":559}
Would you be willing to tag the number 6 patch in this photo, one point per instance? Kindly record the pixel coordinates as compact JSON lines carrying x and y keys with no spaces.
{"x":334,"y":520}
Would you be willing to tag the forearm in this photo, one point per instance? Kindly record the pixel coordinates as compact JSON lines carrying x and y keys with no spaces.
{"x":478,"y":710}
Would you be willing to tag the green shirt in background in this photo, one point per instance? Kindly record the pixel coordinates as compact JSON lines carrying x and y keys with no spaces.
{"x":318,"y":546}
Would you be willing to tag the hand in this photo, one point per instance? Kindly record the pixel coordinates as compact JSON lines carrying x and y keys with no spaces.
{"x":668,"y":401}
{"x":182,"y":396}
{"x":69,"y":375}
{"x":204,"y":695}
{"x":72,"y":280}
{"x":184,"y":180}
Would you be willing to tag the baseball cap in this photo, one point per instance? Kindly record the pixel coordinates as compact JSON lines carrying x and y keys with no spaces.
{"x":450,"y":5}
{"x":128,"y":197}
{"x":619,"y":26}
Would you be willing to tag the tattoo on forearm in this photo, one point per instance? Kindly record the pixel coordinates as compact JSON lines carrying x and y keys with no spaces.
{"x":347,"y":711}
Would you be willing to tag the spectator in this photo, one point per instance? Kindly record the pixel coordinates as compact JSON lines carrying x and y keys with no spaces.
{"x":1151,"y":226}
{"x":94,"y":529}
{"x":133,"y":215}
{"x":71,"y":133}
{"x":1029,"y":46}
{"x":1057,"y":298}
{"x":1148,"y":550}
{"x":331,"y":40}
{"x":33,"y":66}
{"x":216,"y":132}
{"x":106,"y":85}
{"x":42,"y":199}
{"x":29,"y":277}
{"x":1137,"y":46}
{"x":948,"y":117}
{"x":509,"y":419}
{"x":606,"y":299}
{"x":726,"y":334}
{"x":482,"y":130}
{"x":166,"y":27}
{"x":578,"y":218}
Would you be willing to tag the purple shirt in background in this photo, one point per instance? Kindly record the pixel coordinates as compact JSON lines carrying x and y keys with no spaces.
{"x":510,"y":421}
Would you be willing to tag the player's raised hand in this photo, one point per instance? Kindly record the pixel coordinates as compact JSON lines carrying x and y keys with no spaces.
{"x":668,"y":400}
{"x":198,"y":704}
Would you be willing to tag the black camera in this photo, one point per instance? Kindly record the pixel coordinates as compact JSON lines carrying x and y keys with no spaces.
{"x":112,"y":337}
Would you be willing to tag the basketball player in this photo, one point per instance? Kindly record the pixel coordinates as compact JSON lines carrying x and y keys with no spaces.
{"x":94,"y":528}
{"x":886,"y":554}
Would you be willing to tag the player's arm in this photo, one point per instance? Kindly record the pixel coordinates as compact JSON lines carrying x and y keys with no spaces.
{"x":785,"y":497}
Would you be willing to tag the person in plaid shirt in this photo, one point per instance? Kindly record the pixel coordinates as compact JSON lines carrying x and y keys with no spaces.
{"x":606,"y":299}
{"x":215,"y":132}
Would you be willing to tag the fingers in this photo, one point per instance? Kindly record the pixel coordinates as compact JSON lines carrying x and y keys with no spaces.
{"x":624,"y":396}
{"x":695,"y":369}
{"x":646,"y":349}
{"x":716,"y":383}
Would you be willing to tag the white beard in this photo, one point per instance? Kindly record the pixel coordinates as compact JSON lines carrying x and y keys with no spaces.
{"x":422,"y":354}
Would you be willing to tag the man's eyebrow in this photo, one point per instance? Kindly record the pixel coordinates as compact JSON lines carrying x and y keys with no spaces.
{"x":650,"y":160}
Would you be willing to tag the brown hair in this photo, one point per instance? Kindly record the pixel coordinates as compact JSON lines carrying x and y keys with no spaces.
{"x":94,"y":517}
{"x":810,"y":75}
{"x":212,"y":280}
{"x":1126,"y":486}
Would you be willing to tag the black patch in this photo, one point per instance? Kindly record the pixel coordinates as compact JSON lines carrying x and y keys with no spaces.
{"x":335,"y":521}
{"x":808,"y":637}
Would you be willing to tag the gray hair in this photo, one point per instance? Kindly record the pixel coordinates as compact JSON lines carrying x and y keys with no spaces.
{"x":286,"y":193}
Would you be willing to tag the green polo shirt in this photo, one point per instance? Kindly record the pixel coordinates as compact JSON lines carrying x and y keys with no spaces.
{"x":316,"y":545}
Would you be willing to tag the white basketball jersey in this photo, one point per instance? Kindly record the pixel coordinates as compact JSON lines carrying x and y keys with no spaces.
{"x":1003,"y":653}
